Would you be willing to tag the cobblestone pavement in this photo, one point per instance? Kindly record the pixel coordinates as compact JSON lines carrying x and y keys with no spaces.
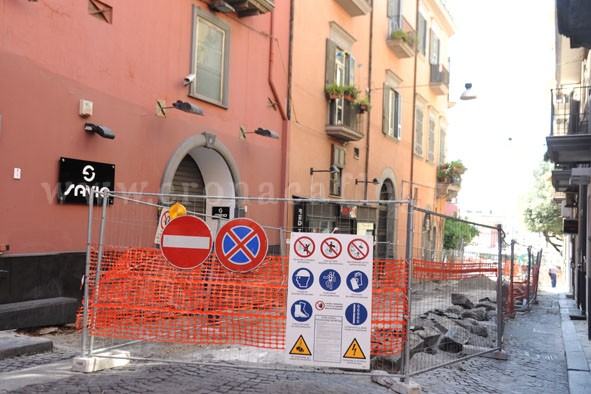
{"x":533,"y":341}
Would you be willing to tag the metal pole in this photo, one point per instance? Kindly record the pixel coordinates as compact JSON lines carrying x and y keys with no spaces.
{"x":500,"y":289}
{"x":528,"y":273}
{"x":98,"y":266}
{"x":409,"y":243}
{"x":511,"y":302}
{"x":86,"y":274}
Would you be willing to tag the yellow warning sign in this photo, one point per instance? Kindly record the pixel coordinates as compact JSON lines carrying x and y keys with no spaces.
{"x":301,"y":347}
{"x":354,"y":351}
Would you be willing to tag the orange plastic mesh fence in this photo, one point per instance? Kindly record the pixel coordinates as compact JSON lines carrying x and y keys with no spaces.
{"x":142,"y":297}
{"x":437,"y":270}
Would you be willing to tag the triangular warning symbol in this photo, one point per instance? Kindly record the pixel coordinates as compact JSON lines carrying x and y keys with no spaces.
{"x":301,"y":347}
{"x":354,"y":351}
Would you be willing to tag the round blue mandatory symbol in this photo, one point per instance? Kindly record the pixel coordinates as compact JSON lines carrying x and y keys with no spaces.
{"x":356,"y":314}
{"x":357,"y":281}
{"x":302,"y":278}
{"x":301,"y":310}
{"x":330,"y":280}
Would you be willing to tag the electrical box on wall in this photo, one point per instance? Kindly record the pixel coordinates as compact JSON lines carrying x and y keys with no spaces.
{"x":85,"y":108}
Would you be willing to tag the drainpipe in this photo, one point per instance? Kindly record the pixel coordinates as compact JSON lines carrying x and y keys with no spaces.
{"x":285,"y":123}
{"x":414,"y":107}
{"x":368,"y":129}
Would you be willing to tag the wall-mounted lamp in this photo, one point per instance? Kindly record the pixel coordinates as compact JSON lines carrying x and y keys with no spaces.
{"x":374,"y":181}
{"x":180,"y":105}
{"x":468,"y":94}
{"x":103,"y":131}
{"x":189,"y":79}
{"x":259,"y":131}
{"x":333,"y":170}
{"x":221,"y":6}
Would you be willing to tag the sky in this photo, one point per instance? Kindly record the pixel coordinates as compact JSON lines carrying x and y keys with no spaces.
{"x":505,"y":48}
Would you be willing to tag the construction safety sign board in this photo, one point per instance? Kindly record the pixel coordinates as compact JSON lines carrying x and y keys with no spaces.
{"x":241,"y":245}
{"x":186,"y":242}
{"x":329,"y":300}
{"x":162,"y":222}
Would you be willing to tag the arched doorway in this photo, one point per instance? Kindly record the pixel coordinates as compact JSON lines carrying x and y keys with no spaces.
{"x":203,"y":166}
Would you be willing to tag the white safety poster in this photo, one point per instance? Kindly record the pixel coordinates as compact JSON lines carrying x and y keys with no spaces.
{"x":329,"y":300}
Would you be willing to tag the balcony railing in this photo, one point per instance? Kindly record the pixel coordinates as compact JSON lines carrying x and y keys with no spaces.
{"x":439,"y":80}
{"x":343,"y":127}
{"x":400,"y":47}
{"x":571,"y":110}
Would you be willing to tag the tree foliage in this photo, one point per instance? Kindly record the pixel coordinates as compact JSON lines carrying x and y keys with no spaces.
{"x":542,"y":214}
{"x":457,"y":234}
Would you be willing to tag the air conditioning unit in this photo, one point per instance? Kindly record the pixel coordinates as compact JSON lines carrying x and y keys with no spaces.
{"x":580,"y":176}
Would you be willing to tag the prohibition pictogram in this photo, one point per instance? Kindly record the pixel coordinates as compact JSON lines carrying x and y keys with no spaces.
{"x":331,"y":248}
{"x":304,"y":247}
{"x":358,"y":249}
{"x":241,"y":245}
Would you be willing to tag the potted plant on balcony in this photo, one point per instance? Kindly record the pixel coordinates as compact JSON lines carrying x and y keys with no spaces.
{"x":400,"y":34}
{"x":350,"y":92}
{"x":451,"y":172}
{"x":362,"y":105}
{"x":333,"y":91}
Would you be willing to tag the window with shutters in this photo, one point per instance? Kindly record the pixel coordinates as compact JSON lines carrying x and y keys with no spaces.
{"x":431,"y":142}
{"x":422,"y":35}
{"x":394,"y":15}
{"x":418,"y":148}
{"x":442,"y":137}
{"x":338,"y":160}
{"x":392,"y":113}
{"x":210,"y":59}
{"x":434,"y":48}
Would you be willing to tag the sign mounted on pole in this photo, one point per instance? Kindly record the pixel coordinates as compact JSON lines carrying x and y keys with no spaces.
{"x":241,"y":245}
{"x":186,"y":242}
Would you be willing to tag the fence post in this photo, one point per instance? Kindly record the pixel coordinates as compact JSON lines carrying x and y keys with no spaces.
{"x":529,"y":256}
{"x":409,"y":261}
{"x":500,"y":327}
{"x":97,"y":276}
{"x":86,"y":274}
{"x":511,"y":300}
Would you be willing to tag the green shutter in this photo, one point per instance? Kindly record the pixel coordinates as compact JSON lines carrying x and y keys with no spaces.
{"x":385,"y":109}
{"x":331,"y":49}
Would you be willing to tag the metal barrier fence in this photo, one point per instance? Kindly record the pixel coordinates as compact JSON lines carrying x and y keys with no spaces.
{"x":434,"y":296}
{"x":521,"y":275}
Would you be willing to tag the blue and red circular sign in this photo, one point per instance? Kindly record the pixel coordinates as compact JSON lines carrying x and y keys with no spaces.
{"x":241,"y":245}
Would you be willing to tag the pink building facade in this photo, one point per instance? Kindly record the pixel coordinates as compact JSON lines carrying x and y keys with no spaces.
{"x":178,"y":84}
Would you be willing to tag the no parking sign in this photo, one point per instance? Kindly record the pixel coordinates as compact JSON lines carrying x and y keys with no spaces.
{"x":241,"y":245}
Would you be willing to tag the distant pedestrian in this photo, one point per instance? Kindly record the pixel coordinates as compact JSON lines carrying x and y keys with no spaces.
{"x":552,"y":273}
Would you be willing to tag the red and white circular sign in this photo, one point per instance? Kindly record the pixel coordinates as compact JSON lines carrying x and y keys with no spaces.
{"x":186,"y":242}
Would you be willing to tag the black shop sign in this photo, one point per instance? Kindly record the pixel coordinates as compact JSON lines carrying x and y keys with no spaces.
{"x":78,"y":179}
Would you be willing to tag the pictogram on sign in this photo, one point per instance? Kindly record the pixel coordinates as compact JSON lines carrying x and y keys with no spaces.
{"x":354,"y":351}
{"x":304,"y":247}
{"x":331,"y":248}
{"x":241,"y":245}
{"x":358,"y":249}
{"x":186,"y":242}
{"x":301,"y":347}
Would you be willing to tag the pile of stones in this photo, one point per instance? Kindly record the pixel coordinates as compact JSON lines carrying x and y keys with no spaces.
{"x":440,"y":336}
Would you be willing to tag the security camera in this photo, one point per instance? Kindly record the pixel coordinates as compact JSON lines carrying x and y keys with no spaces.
{"x":103,"y":131}
{"x":189,"y":79}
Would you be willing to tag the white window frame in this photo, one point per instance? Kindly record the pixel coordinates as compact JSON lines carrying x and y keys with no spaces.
{"x":431,"y":139}
{"x":395,"y":15}
{"x":394,"y":114}
{"x":203,"y":18}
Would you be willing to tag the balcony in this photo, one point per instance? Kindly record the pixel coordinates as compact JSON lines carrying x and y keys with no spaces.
{"x":401,"y":40}
{"x":355,"y":7}
{"x":569,"y":142}
{"x":448,"y":191}
{"x":343,"y":127}
{"x":251,"y":7}
{"x":439,"y":79}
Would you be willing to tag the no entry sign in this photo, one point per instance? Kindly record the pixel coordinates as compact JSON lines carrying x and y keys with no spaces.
{"x":241,"y":245}
{"x":186,"y":242}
